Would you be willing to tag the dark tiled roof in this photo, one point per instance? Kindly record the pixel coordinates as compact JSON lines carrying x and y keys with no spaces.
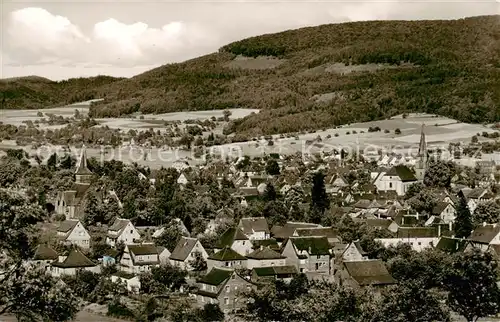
{"x":439,"y":208}
{"x":227,"y":254}
{"x":67,"y":225}
{"x":75,"y":259}
{"x":328,"y":232}
{"x":451,"y":245}
{"x":417,"y":232}
{"x":229,"y":236}
{"x":183,"y":248}
{"x":251,"y":224}
{"x":144,"y":249}
{"x":216,"y":276}
{"x":44,"y":252}
{"x":119,"y":224}
{"x":265,"y":253}
{"x":369,"y":272}
{"x":403,"y":172}
{"x":312,"y":245}
{"x":485,"y":234}
{"x":379,"y":223}
{"x":275,"y":270}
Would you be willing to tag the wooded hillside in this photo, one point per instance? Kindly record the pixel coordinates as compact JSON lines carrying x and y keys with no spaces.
{"x":331,"y":74}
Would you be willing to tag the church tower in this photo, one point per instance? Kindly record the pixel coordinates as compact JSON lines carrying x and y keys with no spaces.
{"x":422,"y":156}
{"x":82,"y":173}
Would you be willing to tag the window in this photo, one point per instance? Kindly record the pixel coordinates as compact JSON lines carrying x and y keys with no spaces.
{"x":419,"y":243}
{"x":235,"y":288}
{"x":317,"y":266}
{"x":203,"y":299}
{"x":131,"y":231}
{"x":226,"y":301}
{"x":318,"y":256}
{"x":227,"y":289}
{"x":390,"y":184}
{"x":249,"y":288}
{"x":203,"y":286}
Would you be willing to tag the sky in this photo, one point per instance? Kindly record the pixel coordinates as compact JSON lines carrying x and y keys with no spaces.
{"x":62,"y":39}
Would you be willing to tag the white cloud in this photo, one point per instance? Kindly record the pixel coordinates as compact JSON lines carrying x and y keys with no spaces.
{"x":40,"y":37}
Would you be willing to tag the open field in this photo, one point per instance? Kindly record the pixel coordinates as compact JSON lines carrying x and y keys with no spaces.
{"x":440,"y":131}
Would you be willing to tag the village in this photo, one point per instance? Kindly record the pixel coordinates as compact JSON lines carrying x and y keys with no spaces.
{"x":216,"y":233}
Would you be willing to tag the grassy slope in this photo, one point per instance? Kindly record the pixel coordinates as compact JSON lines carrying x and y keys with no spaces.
{"x":456,"y":72}
{"x":39,"y":92}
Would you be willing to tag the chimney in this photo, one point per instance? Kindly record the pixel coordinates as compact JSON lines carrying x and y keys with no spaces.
{"x":61,"y":258}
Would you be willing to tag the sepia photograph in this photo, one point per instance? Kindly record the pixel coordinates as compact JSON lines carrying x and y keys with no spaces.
{"x":250,"y":160}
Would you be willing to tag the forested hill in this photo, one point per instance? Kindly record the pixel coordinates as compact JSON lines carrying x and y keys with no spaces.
{"x":39,"y":92}
{"x":331,"y":74}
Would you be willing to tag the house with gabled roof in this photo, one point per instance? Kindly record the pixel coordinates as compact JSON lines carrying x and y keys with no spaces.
{"x":475,"y":196}
{"x":74,"y":262}
{"x":139,"y":258}
{"x":122,"y":230}
{"x":255,"y":227}
{"x":185,"y":252}
{"x":354,"y":252}
{"x":398,"y":178}
{"x":265,"y":257}
{"x":271,"y":273}
{"x":44,"y":256}
{"x":71,"y":202}
{"x":308,"y":254}
{"x":226,"y":258}
{"x":484,"y":236}
{"x":235,"y":239}
{"x":419,"y":238}
{"x":223,"y":287}
{"x":364,"y":273}
{"x":72,"y":232}
{"x":445,"y":211}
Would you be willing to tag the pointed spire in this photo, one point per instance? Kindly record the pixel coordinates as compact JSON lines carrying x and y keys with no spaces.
{"x":422,"y":148}
{"x":81,"y":167}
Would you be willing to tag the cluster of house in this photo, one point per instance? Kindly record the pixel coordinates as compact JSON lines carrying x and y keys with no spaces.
{"x":265,"y":254}
{"x":252,"y":253}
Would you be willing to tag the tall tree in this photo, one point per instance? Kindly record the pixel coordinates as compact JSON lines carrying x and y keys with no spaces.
{"x":27,"y":293}
{"x":272,"y":167}
{"x":463,"y":222}
{"x":319,"y":199}
{"x":411,"y":302}
{"x":472,"y":285}
{"x":270,"y":192}
{"x":488,"y":212}
{"x":439,"y":174}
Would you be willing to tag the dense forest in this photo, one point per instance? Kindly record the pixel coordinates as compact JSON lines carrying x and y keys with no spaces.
{"x":38,"y":92}
{"x":329,"y":75}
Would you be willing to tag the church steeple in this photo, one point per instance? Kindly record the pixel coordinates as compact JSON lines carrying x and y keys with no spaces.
{"x":422,"y":147}
{"x":422,"y":156}
{"x":82,"y":173}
